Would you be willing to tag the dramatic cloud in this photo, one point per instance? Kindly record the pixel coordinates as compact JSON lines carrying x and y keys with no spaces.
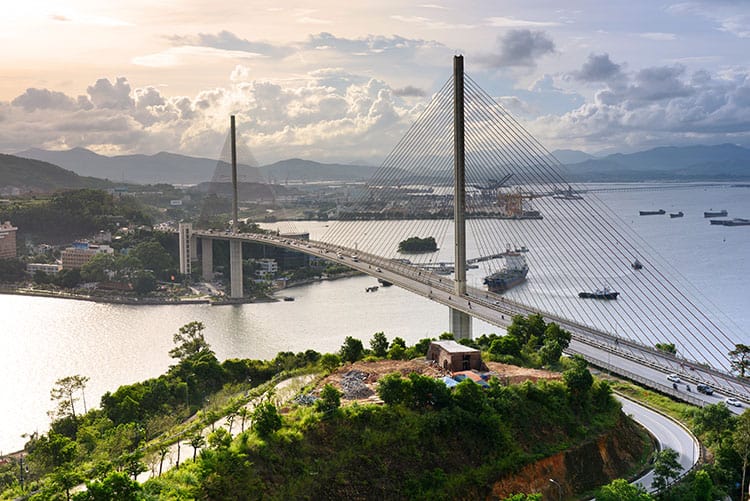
{"x":356,"y":119}
{"x":40,"y":99}
{"x":519,"y":48}
{"x":507,"y":22}
{"x":657,"y":106}
{"x":598,"y":68}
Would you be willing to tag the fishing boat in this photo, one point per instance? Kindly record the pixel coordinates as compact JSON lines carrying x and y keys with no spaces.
{"x":652,"y":212}
{"x":676,"y":214}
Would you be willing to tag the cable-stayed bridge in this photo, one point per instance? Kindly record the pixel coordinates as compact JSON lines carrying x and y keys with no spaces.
{"x":470,"y":176}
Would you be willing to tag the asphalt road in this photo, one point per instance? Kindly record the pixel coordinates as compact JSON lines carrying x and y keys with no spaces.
{"x":668,"y":433}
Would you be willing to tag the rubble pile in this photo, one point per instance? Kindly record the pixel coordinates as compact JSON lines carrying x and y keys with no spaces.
{"x":353,"y":385}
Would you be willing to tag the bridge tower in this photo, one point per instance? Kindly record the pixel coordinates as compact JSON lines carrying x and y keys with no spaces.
{"x":235,"y":246}
{"x":459,"y":322}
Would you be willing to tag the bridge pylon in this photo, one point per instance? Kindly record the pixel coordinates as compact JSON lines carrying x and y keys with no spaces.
{"x":459,"y":322}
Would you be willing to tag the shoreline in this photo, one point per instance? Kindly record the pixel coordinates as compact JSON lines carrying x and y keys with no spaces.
{"x":155,"y":301}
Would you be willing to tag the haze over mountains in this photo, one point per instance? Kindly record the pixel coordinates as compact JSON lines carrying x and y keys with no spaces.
{"x":725,"y":162}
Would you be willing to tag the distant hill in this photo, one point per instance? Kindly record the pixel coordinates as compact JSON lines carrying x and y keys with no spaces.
{"x":723,"y":162}
{"x":180,"y":169}
{"x":307,"y":170}
{"x":23,"y":175}
{"x":571,"y":156}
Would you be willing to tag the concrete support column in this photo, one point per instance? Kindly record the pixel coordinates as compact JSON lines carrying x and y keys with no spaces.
{"x":235,"y":268}
{"x":186,"y":249}
{"x":459,"y":324}
{"x":207,"y":262}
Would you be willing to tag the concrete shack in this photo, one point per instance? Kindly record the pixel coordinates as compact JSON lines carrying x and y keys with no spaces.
{"x":453,"y":356}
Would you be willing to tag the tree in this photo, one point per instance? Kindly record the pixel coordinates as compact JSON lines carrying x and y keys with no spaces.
{"x":393,"y":389}
{"x":739,"y":358}
{"x":703,"y":486}
{"x":145,"y":282}
{"x":666,"y":467}
{"x":352,"y":350}
{"x":329,"y":362}
{"x":666,"y":347}
{"x":65,"y":391}
{"x":220,"y":439}
{"x":190,"y":341}
{"x":153,"y":257}
{"x":741,"y":439}
{"x":196,"y":442}
{"x":621,"y":490}
{"x":379,"y":344}
{"x":243,"y":413}
{"x":713,"y":422}
{"x":116,"y":485}
{"x":329,"y":401}
{"x":579,"y":381}
{"x":266,"y":419}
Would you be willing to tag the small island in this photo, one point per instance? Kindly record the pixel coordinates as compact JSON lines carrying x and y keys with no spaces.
{"x":415,"y":244}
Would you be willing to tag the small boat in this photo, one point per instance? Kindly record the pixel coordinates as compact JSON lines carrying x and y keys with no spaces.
{"x":652,"y":212}
{"x":384,"y":283}
{"x":717,"y":213}
{"x":288,"y":298}
{"x":636,"y":265}
{"x":371,"y":289}
{"x":604,"y":293}
{"x":676,"y":214}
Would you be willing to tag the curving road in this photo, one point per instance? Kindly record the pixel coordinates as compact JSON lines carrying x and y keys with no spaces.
{"x":669,"y":434}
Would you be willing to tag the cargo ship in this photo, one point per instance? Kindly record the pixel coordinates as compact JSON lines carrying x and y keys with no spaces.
{"x":652,"y":212}
{"x":738,"y":221}
{"x":512,"y":274}
{"x":716,"y":213}
{"x":604,"y":293}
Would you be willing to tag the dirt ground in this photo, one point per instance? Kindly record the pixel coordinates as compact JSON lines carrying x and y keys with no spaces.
{"x":358,"y":381}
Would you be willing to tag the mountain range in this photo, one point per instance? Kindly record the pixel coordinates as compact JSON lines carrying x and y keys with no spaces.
{"x":724,"y":162}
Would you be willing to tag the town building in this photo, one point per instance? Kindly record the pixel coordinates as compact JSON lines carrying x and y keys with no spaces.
{"x":49,"y":269}
{"x":454,"y":357}
{"x":81,"y":253}
{"x":7,"y":240}
{"x":267,"y":268}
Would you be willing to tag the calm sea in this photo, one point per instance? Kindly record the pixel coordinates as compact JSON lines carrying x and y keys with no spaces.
{"x":46,"y":339}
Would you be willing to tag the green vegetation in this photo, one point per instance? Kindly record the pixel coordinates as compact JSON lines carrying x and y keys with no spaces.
{"x":416,"y":244}
{"x":666,"y":347}
{"x":73,"y":214}
{"x":529,"y":342}
{"x":36,"y":176}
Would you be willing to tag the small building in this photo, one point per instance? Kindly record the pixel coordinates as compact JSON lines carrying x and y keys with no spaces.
{"x":7,"y":240}
{"x":454,"y":357}
{"x":81,"y":253}
{"x":49,"y":269}
{"x":267,"y":268}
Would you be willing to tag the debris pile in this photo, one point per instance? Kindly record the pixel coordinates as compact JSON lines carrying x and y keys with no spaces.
{"x":353,"y":385}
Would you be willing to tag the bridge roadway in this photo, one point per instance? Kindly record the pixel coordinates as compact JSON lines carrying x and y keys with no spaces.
{"x":620,"y":356}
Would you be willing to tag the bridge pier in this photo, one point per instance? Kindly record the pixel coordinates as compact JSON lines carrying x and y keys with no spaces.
{"x":459,"y":324}
{"x":235,"y":268}
{"x":207,"y":260}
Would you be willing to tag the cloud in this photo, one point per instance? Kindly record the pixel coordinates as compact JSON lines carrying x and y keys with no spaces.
{"x":509,"y":22}
{"x":331,"y":115}
{"x":658,"y":36}
{"x":598,"y":68}
{"x":228,"y":41}
{"x":519,"y":48}
{"x":409,"y":91}
{"x":655,"y":106}
{"x":41,"y":99}
{"x":430,"y":23}
{"x":104,"y":94}
{"x":176,"y":56}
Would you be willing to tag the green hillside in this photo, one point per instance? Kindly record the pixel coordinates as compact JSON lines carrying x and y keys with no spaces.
{"x":26,"y":175}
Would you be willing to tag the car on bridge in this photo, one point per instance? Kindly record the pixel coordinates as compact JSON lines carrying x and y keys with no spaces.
{"x":733,"y":401}
{"x":674,"y":378}
{"x":705,"y":389}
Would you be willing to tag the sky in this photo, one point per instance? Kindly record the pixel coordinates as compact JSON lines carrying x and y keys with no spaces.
{"x":340,"y":81}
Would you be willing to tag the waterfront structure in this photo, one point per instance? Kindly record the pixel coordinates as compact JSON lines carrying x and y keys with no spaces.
{"x":454,"y":356}
{"x":49,"y":269}
{"x":187,"y":248}
{"x":266,"y":268}
{"x":80,"y":253}
{"x":7,"y":240}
